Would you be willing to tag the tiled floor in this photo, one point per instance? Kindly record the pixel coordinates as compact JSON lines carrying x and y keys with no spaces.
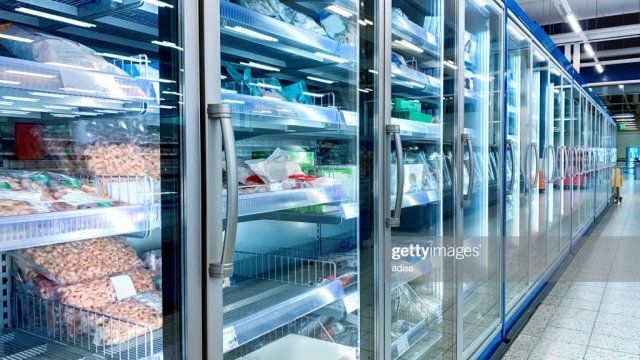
{"x":593,"y":311}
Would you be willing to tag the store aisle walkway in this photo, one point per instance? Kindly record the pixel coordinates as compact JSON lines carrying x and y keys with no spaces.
{"x":593,"y":311}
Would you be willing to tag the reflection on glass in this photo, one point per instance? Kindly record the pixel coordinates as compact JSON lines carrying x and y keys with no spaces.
{"x":483,"y":125}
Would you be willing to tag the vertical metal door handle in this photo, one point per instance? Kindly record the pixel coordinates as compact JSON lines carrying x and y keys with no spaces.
{"x":221,"y":114}
{"x":534,"y":180}
{"x":554,"y":173}
{"x":513,"y":167}
{"x":394,"y":221}
{"x":466,"y":201}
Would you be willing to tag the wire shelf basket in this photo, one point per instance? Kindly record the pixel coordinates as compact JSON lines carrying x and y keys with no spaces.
{"x":96,"y":333}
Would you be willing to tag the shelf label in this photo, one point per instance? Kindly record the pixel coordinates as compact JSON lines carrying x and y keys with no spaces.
{"x":350,"y":118}
{"x":229,"y":339}
{"x":351,"y":302}
{"x":123,"y":287}
{"x":350,"y":211}
{"x":402,"y":344}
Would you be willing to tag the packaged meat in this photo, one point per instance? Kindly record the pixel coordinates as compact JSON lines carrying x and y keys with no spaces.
{"x":280,"y":11}
{"x":47,"y":48}
{"x":125,"y":159}
{"x":276,"y":168}
{"x":127,"y":319}
{"x":78,"y":261}
{"x":12,"y":207}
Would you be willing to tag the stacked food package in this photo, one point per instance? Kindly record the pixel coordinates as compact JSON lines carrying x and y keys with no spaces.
{"x":23,"y":193}
{"x":104,"y":289}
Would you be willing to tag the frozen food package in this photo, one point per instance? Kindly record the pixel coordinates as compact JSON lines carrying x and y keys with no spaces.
{"x":96,"y":294}
{"x":13,"y":180}
{"x":47,"y":48}
{"x":34,"y":284}
{"x":66,"y":193}
{"x":78,"y":261}
{"x":278,"y":167}
{"x":128,"y":319}
{"x":153,"y":262}
{"x":280,"y":11}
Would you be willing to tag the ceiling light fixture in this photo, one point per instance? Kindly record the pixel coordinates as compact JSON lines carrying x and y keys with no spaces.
{"x":63,"y":19}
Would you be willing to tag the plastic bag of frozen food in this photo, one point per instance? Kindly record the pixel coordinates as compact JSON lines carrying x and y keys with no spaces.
{"x":280,"y":11}
{"x":64,"y":193}
{"x":78,"y":261}
{"x":125,"y":320}
{"x":278,"y":167}
{"x":47,"y":48}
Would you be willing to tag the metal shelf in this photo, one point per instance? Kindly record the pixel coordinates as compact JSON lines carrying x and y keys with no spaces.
{"x":418,"y":198}
{"x":415,"y":34}
{"x":254,"y":308}
{"x":17,"y":232}
{"x":287,"y":35}
{"x":264,"y":113}
{"x":409,"y":82}
{"x":252,"y":204}
{"x":417,"y":129}
{"x":75,"y":90}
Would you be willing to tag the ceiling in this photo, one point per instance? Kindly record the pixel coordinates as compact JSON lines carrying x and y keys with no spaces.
{"x":613,"y":29}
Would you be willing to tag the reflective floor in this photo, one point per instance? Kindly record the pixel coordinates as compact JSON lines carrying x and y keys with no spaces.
{"x":593,"y":311}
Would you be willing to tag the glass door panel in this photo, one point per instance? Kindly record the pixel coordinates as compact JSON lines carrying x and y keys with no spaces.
{"x":417,"y":283}
{"x":576,"y":166}
{"x":533,"y":173}
{"x":565,"y":183}
{"x":91,"y":179}
{"x":290,"y":77}
{"x":552,"y":159}
{"x":482,"y":214}
{"x":519,"y":78}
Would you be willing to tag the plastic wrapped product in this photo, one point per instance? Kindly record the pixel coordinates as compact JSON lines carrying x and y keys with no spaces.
{"x":140,"y":313}
{"x":278,"y":10}
{"x":276,"y":168}
{"x":13,"y":207}
{"x":153,"y":263}
{"x":78,"y":261}
{"x":46,"y":48}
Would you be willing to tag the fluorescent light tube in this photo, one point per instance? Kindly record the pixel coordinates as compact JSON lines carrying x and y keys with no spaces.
{"x":599,"y":68}
{"x":17,"y":98}
{"x":231,"y":101}
{"x":28,"y":73}
{"x":259,"y":66}
{"x":6,"y":103}
{"x":172,"y":93}
{"x":58,"y":107}
{"x":70,"y":66}
{"x":55,"y":17}
{"x":84,"y":91}
{"x":13,"y":112}
{"x":481,"y":3}
{"x":369,"y":22}
{"x":34,"y":109}
{"x":332,"y":58}
{"x":158,"y":3}
{"x":312,"y":94}
{"x":10,"y":82}
{"x":339,"y":10}
{"x":37,"y":93}
{"x":64,"y":115}
{"x":589,"y":50}
{"x":86,"y":113}
{"x":167,"y":44}
{"x":409,"y":46}
{"x":326,"y":81}
{"x":362,"y":22}
{"x":373,"y":71}
{"x":267,"y":86}
{"x":252,"y":33}
{"x":165,"y":81}
{"x":573,"y":22}
{"x":16,"y":38}
{"x":162,"y":106}
{"x":108,"y":111}
{"x":450,"y":64}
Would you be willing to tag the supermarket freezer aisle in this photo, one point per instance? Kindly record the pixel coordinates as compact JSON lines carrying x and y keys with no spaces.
{"x":593,"y":311}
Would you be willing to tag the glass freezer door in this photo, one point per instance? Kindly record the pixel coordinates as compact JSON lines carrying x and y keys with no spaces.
{"x":480,"y":208}
{"x":288,"y":81}
{"x":92,"y":161}
{"x":417,"y":289}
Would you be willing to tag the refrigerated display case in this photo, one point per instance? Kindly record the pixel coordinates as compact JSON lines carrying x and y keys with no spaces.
{"x":289,"y":79}
{"x":90,"y":226}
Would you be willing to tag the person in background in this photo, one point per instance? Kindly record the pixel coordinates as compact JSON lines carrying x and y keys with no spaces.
{"x":616,"y":184}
